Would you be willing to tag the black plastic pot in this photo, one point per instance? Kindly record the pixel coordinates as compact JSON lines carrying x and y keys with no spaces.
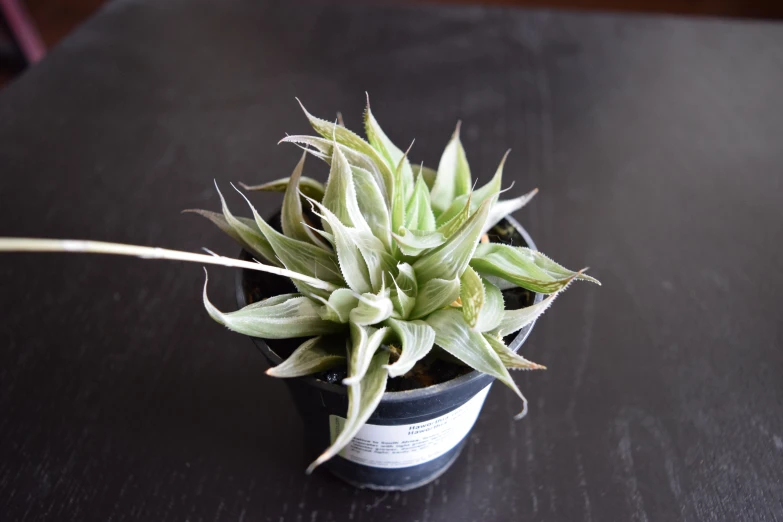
{"x":443,"y":406}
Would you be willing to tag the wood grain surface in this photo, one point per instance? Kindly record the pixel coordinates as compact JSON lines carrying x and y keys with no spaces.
{"x":657,"y":144}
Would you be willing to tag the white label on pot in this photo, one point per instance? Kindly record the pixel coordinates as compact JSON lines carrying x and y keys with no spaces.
{"x":409,"y":444}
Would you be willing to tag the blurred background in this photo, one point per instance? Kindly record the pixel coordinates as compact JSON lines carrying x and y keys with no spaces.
{"x":29,"y":27}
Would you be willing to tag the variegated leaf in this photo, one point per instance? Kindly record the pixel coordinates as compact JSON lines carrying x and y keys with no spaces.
{"x":427,"y":173}
{"x":372,"y":205}
{"x":340,"y":195}
{"x":372,"y":309}
{"x":380,"y":264}
{"x":406,"y":278}
{"x":511,"y":360}
{"x":414,"y":242}
{"x":453,"y":179}
{"x":471,"y":294}
{"x":365,"y":340}
{"x":524,"y":267}
{"x":416,"y":338}
{"x":403,"y":302}
{"x":460,"y":208}
{"x":281,"y":317}
{"x":453,"y":223}
{"x":450,"y":259}
{"x":398,"y":205}
{"x":404,"y":298}
{"x":433,"y":295}
{"x":313,"y":356}
{"x":418,"y":212}
{"x":352,"y":264}
{"x":363,"y":398}
{"x":455,"y":336}
{"x":492,"y":312}
{"x":339,"y":305}
{"x":491,"y":189}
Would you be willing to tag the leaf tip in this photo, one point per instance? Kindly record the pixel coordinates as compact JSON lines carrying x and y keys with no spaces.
{"x":455,"y":136}
{"x":584,"y":277}
{"x":523,"y":413}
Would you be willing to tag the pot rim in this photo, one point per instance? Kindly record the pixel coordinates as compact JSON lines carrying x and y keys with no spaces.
{"x":399,"y":396}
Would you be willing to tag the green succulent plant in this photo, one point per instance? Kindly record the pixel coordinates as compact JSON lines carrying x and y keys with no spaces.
{"x":398,"y":259}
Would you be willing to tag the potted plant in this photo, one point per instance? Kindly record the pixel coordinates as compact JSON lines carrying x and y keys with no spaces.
{"x":382,"y":296}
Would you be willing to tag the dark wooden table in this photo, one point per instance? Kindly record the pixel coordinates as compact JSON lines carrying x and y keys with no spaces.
{"x":657,"y":144}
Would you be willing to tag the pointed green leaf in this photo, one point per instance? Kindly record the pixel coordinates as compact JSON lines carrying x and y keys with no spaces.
{"x":406,"y":289}
{"x":454,"y":335}
{"x":340,"y":195}
{"x":514,"y":320}
{"x":372,"y":309}
{"x":414,"y":242}
{"x":524,"y":267}
{"x":349,"y":139}
{"x":416,"y":338}
{"x":299,"y":256}
{"x":281,"y":317}
{"x":435,"y":294}
{"x":291,"y":217}
{"x":251,"y":237}
{"x":388,"y":150}
{"x":372,"y":205}
{"x":427,"y":173}
{"x":339,"y":305}
{"x":503,"y":208}
{"x":471,"y":294}
{"x":372,"y":261}
{"x":418,"y":212}
{"x":365,"y":340}
{"x":352,"y":264}
{"x":460,"y":206}
{"x":406,"y":278}
{"x":453,"y":179}
{"x":322,"y":149}
{"x":380,"y":265}
{"x":313,"y":356}
{"x":511,"y":360}
{"x":398,"y":202}
{"x":492,"y":312}
{"x":403,"y":301}
{"x":363,"y":398}
{"x":455,"y":221}
{"x":220,"y":221}
{"x":450,"y":259}
{"x":492,"y":188}
{"x":309,"y":187}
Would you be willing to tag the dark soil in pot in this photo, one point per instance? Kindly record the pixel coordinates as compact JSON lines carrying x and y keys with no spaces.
{"x":436,"y":390}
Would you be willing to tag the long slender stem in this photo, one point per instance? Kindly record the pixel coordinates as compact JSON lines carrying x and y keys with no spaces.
{"x":23,"y":244}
